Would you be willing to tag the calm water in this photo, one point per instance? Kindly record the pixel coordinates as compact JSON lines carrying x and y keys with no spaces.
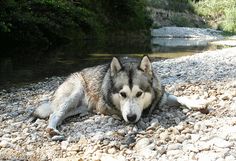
{"x":21,"y":68}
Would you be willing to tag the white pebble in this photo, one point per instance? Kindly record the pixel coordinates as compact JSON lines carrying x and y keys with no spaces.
{"x":142,"y":143}
{"x":221,"y":143}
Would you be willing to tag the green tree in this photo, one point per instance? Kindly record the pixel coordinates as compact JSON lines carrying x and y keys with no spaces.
{"x":34,"y":23}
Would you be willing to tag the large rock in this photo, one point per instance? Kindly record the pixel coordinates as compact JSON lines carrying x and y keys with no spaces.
{"x":184,"y":36}
{"x":186,"y":32}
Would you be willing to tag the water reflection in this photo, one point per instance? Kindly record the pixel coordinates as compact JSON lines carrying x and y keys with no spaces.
{"x":17,"y":68}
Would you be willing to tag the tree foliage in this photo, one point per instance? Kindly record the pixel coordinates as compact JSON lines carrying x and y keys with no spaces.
{"x":44,"y":22}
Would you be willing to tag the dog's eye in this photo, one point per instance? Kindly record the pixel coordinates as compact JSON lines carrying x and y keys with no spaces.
{"x":123,"y":94}
{"x":139,"y":94}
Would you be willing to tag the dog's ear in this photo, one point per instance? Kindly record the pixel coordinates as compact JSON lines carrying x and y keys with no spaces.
{"x":115,"y":66}
{"x":146,"y":65}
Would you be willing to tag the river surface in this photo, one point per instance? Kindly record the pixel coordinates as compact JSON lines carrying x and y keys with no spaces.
{"x":19,"y":68}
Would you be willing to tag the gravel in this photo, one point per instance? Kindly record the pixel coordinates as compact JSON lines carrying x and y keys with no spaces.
{"x":169,"y":134}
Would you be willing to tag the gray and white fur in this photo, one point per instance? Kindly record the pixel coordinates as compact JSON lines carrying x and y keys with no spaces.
{"x":122,"y":88}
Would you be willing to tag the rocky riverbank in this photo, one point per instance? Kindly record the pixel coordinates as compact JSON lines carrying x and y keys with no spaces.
{"x":186,"y":37}
{"x":169,"y":134}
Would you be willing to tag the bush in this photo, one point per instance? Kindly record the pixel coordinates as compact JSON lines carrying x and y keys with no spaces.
{"x":229,"y":23}
{"x":176,"y":5}
{"x":221,"y":14}
{"x":42,"y":21}
{"x":181,"y":21}
{"x":32,"y":23}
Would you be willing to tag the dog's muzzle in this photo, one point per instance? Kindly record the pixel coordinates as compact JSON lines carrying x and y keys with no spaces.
{"x":131,"y":111}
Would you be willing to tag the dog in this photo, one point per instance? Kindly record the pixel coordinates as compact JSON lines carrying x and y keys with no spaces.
{"x":123,"y":88}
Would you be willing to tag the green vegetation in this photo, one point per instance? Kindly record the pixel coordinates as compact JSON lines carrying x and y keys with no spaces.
{"x":181,"y":21}
{"x":219,"y":14}
{"x":42,"y":23}
{"x":176,"y":5}
{"x":175,"y":13}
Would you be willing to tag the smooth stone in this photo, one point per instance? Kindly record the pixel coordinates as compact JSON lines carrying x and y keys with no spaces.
{"x":109,"y":157}
{"x":230,"y":158}
{"x":147,"y":153}
{"x":180,"y":138}
{"x":174,"y":152}
{"x":195,"y":137}
{"x":208,"y":156}
{"x":98,"y":136}
{"x":130,"y":139}
{"x":221,"y":143}
{"x":190,"y":148}
{"x":64,"y":145}
{"x":203,"y":146}
{"x":161,"y":149}
{"x":111,"y":150}
{"x":176,"y":146}
{"x":58,"y":138}
{"x":164,"y":136}
{"x":6,"y":144}
{"x":142,"y":143}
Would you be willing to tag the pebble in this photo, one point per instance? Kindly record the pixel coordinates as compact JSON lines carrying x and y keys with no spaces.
{"x":164,"y":136}
{"x":142,"y":125}
{"x":221,"y":143}
{"x":73,"y":147}
{"x":180,"y":138}
{"x":58,"y":138}
{"x":108,"y":157}
{"x":147,"y":153}
{"x":203,"y":146}
{"x":98,"y":136}
{"x":190,"y":148}
{"x":180,"y":127}
{"x":233,"y":106}
{"x":177,"y":120}
{"x":208,"y":156}
{"x":6,"y":144}
{"x":230,"y":158}
{"x":176,"y":146}
{"x":111,"y":150}
{"x":129,"y":140}
{"x":174,"y":152}
{"x":64,"y":145}
{"x":161,"y":150}
{"x":186,"y":130}
{"x":226,"y":96}
{"x":142,"y":143}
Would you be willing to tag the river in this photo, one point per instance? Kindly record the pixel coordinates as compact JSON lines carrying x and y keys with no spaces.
{"x":20,"y":68}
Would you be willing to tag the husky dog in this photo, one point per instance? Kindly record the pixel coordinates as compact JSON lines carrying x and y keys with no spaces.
{"x":122,"y":88}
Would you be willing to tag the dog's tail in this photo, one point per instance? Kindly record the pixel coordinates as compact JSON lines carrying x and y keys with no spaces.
{"x":43,"y":111}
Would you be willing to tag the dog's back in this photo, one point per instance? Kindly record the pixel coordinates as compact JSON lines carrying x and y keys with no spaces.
{"x":87,"y":82}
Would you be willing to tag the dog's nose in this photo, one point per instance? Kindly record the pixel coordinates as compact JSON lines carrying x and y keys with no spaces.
{"x":131,"y":117}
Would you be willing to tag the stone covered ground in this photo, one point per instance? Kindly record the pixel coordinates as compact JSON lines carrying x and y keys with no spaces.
{"x":169,"y":134}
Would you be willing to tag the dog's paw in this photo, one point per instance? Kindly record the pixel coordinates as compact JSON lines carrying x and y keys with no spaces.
{"x":53,"y":132}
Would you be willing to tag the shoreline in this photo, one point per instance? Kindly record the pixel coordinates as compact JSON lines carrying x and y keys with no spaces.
{"x":169,"y":134}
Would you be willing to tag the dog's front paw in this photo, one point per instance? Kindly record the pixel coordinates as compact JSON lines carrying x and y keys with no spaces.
{"x":52,"y":132}
{"x":55,"y":134}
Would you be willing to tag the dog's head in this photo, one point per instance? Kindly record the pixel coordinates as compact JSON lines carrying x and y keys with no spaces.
{"x":132,"y":87}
